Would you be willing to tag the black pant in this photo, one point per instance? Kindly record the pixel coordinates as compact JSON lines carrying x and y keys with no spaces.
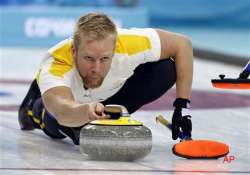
{"x":149,"y":82}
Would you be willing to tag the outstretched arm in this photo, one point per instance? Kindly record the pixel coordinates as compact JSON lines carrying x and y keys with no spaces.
{"x":60,"y":102}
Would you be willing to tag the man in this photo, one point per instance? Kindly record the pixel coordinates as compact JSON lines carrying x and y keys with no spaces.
{"x":104,"y":65}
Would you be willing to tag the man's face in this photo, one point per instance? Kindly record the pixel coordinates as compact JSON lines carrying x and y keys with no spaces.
{"x":93,"y":59}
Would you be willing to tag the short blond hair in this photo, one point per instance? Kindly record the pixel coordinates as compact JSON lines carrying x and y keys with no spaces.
{"x":96,"y":26}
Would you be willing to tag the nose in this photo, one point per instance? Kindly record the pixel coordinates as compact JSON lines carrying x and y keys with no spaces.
{"x":96,"y":66}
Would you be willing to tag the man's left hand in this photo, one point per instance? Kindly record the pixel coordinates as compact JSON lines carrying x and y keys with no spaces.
{"x":181,"y":121}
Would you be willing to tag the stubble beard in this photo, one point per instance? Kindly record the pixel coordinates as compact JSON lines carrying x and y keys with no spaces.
{"x":92,"y":82}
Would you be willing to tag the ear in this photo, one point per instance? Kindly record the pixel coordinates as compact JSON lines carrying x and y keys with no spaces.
{"x":73,"y":51}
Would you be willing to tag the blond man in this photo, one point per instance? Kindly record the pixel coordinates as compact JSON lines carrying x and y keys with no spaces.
{"x":103,"y":65}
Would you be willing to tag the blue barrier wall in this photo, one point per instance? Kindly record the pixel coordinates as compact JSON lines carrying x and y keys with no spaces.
{"x":44,"y":26}
{"x":212,"y":13}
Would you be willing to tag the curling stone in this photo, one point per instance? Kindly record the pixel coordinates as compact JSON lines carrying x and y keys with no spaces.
{"x":118,"y":138}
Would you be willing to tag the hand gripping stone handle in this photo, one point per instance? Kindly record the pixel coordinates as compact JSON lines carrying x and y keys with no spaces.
{"x":115,"y":111}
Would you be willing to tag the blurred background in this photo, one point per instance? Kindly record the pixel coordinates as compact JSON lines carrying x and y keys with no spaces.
{"x":219,"y":30}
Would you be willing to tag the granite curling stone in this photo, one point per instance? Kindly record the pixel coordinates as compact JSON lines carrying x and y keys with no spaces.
{"x":118,"y":138}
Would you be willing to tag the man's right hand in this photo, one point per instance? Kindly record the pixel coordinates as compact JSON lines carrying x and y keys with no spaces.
{"x":95,"y":111}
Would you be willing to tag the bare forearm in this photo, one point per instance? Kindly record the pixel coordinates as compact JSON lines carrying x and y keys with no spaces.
{"x":59,"y":101}
{"x":67,"y":113}
{"x":184,"y":69}
{"x":71,"y":114}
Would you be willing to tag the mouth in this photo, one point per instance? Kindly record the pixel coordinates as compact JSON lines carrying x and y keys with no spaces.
{"x":93,"y":81}
{"x":94,"y":77}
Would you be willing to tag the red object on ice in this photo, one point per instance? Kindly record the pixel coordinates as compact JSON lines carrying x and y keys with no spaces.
{"x":200,"y":149}
{"x":231,"y":83}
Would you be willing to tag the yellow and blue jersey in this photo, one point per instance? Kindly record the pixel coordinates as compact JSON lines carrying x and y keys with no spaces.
{"x":133,"y":47}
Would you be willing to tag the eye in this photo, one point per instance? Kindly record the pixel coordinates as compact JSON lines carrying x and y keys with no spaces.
{"x":88,"y":58}
{"x":104,"y":59}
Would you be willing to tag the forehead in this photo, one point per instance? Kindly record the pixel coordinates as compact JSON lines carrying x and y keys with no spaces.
{"x":104,"y":46}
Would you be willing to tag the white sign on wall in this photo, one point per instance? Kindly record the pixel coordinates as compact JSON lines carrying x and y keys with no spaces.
{"x":43,"y":27}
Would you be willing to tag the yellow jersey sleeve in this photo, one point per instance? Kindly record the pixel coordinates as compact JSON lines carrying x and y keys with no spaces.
{"x":62,"y":58}
{"x":143,"y":43}
{"x":56,"y":68}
